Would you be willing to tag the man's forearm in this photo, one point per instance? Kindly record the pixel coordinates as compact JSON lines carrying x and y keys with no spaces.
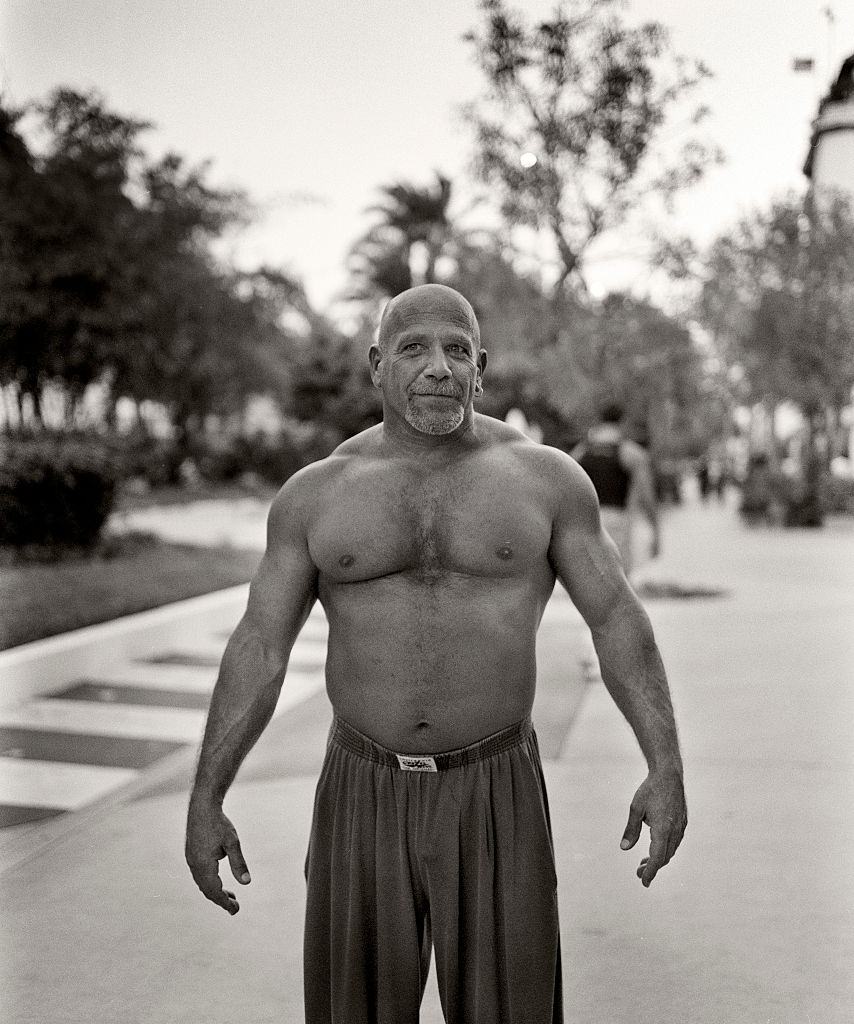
{"x":634,"y":675}
{"x":243,"y":702}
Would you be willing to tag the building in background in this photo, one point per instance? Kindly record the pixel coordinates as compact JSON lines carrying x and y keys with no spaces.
{"x":830,"y":168}
{"x":830,"y":161}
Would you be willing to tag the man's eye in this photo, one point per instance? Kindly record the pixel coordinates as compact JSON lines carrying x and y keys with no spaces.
{"x":461,"y":349}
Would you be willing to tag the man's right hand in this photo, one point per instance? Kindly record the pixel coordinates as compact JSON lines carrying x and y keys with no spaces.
{"x":210,"y":837}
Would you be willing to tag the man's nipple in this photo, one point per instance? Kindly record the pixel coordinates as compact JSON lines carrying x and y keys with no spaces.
{"x":345,"y":561}
{"x":505,"y":552}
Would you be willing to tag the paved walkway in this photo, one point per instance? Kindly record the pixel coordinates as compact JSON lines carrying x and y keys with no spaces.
{"x":83,"y":741}
{"x":752,"y":923}
{"x":239,"y":523}
{"x":109,"y":725}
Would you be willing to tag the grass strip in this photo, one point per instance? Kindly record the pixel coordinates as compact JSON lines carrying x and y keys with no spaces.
{"x":132,"y":574}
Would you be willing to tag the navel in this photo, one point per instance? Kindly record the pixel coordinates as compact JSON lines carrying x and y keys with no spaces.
{"x":345,"y":561}
{"x":505,"y":552}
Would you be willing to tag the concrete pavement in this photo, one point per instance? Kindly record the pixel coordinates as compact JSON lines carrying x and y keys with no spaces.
{"x":753,"y":922}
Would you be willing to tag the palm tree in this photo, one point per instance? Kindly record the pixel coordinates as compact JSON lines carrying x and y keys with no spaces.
{"x":412,"y":218}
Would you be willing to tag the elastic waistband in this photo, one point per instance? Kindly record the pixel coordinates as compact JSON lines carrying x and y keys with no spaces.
{"x":357,"y":743}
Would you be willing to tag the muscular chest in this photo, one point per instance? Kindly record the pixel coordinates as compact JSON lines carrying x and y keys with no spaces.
{"x":470,"y":521}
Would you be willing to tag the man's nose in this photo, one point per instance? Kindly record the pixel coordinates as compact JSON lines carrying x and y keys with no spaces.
{"x":437,"y":365}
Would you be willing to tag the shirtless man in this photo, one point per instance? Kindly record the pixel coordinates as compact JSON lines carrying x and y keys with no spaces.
{"x":433,"y":542}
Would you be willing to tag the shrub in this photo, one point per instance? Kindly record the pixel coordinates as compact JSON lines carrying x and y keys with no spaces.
{"x":55,"y":490}
{"x":216,"y":457}
{"x":154,"y":459}
{"x":272,"y":458}
{"x":839,"y":495}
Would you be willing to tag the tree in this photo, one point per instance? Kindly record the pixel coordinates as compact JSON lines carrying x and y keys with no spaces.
{"x":511,"y":308}
{"x":586,"y":97}
{"x":107,"y":275}
{"x":194,"y":335}
{"x":65,"y":224}
{"x":778,"y":294}
{"x":330,"y":383}
{"x":649,"y":362}
{"x":21,"y":201}
{"x":410,"y":216}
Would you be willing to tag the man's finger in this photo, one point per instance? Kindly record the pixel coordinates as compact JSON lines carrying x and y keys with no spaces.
{"x":657,"y":859}
{"x":225,"y":899}
{"x":633,"y":829}
{"x":673,"y":844}
{"x":210,"y":885}
{"x":236,"y":862}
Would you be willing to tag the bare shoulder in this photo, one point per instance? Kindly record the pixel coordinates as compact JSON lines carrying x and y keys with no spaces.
{"x":307,"y":492}
{"x":295,"y":505}
{"x":366,"y":442}
{"x":547,"y":473}
{"x":559,"y":478}
{"x":493,"y":431}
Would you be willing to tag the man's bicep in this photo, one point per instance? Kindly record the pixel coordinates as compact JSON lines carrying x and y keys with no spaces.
{"x":583,"y":556}
{"x":285,"y":586}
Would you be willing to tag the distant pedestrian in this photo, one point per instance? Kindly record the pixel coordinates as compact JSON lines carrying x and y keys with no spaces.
{"x":761,"y":499}
{"x":621,"y":472}
{"x":703,"y":480}
{"x":710,"y":476}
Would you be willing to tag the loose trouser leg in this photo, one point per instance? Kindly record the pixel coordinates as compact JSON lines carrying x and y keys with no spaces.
{"x":367,"y":947}
{"x":492,"y":890}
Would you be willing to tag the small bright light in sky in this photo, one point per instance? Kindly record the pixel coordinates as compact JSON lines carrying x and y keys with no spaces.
{"x":527,"y":160}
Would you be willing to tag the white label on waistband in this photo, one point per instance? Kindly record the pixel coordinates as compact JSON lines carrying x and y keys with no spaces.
{"x":417,"y":762}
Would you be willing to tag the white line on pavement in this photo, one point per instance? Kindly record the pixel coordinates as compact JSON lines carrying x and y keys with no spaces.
{"x":56,"y":784}
{"x":178,"y":725}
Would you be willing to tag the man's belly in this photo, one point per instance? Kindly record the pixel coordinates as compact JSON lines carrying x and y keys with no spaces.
{"x":423,"y":667}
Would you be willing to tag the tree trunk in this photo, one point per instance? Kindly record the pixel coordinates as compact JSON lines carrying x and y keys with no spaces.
{"x":12,"y":402}
{"x":557,"y":308}
{"x":35,"y":399}
{"x":805,"y":502}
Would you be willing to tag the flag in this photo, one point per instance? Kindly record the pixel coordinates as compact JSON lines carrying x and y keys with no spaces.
{"x":803,"y":64}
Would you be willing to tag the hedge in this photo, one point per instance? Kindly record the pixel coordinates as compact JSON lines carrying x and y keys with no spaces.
{"x":56,"y":490}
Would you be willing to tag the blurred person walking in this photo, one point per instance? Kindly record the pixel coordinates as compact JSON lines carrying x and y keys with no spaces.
{"x":433,"y":542}
{"x":761,"y":493}
{"x":711,"y":478}
{"x":622,"y":474}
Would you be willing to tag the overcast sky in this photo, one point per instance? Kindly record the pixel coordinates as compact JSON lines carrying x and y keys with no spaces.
{"x":310,"y":106}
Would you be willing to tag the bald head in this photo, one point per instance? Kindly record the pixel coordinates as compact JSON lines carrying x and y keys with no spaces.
{"x":427,"y":303}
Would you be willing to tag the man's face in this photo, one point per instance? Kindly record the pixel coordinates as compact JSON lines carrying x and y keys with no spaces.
{"x":428,"y":366}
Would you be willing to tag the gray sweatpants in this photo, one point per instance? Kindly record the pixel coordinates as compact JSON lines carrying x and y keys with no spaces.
{"x":453,"y":850}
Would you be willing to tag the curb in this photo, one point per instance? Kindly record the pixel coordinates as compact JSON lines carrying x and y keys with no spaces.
{"x":46,"y":665}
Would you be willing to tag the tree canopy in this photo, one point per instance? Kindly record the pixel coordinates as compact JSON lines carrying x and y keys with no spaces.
{"x":569,"y":129}
{"x":778,"y":294}
{"x":409,"y":217}
{"x":107,"y":275}
{"x":106,"y":271}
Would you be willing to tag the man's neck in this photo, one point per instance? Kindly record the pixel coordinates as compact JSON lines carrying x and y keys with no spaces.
{"x":401,"y":438}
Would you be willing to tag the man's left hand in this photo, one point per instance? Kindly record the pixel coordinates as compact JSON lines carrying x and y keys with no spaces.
{"x":660,"y":802}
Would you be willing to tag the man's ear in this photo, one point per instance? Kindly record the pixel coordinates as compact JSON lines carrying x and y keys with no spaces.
{"x":481,"y":361}
{"x":375,"y":357}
